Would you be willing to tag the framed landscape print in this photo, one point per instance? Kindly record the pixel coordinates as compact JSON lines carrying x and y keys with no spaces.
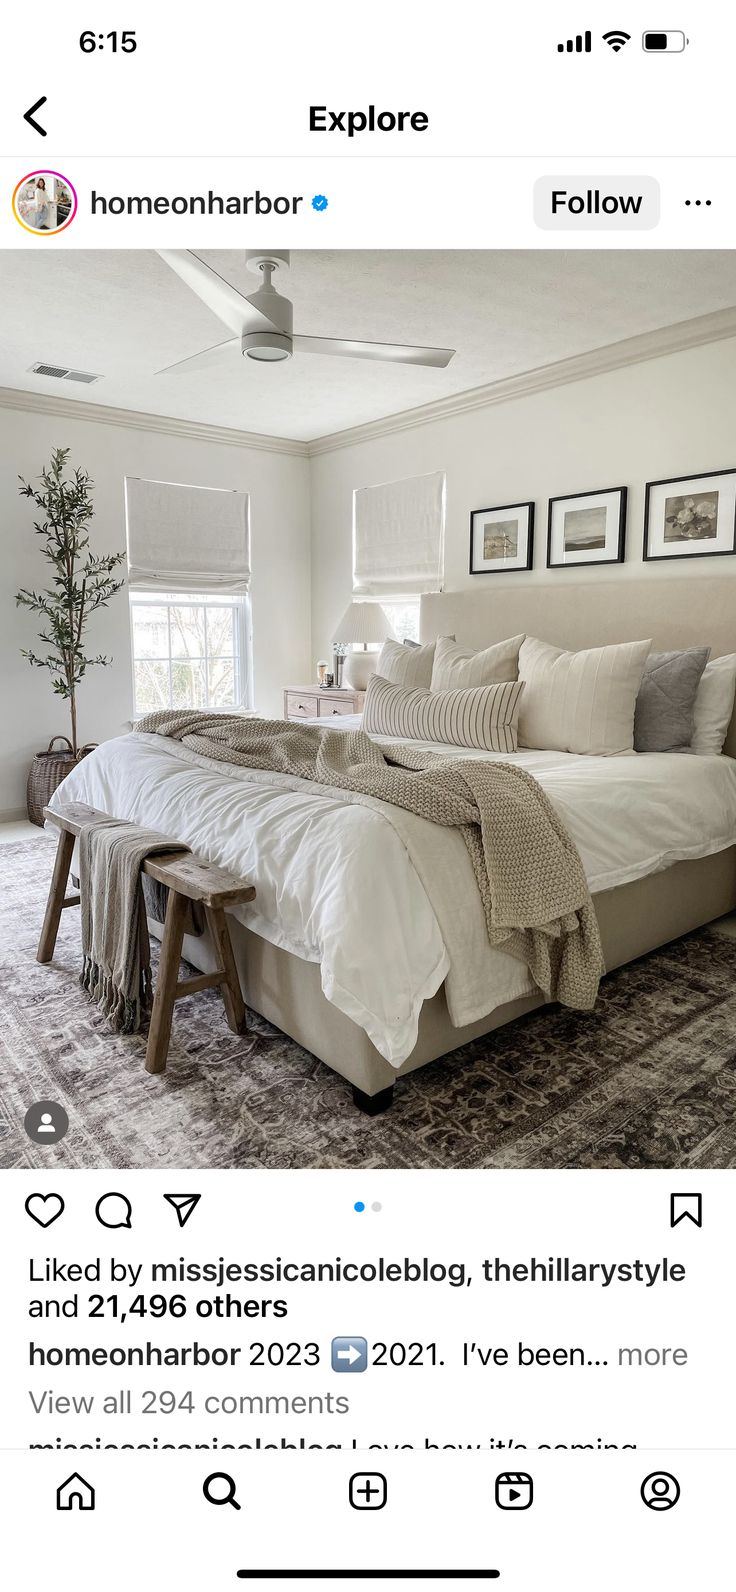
{"x":587,"y":528}
{"x":691,"y":516}
{"x":501,"y":539}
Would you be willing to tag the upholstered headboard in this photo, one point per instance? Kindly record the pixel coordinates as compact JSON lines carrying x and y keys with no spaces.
{"x":674,"y":612}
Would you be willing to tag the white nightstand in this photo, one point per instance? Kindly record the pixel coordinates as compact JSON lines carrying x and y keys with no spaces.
{"x":311,"y":702}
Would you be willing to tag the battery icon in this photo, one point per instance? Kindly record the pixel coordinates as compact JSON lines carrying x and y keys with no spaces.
{"x":664,"y":40}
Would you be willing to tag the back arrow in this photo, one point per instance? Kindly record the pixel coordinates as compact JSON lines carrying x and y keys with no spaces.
{"x":28,"y":116}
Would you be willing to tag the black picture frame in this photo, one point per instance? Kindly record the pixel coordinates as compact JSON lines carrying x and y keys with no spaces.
{"x":507,"y":569}
{"x":677,"y":480}
{"x":590,"y":563}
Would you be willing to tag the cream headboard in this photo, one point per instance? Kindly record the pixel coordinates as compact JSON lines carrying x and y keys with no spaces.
{"x":675,"y":613}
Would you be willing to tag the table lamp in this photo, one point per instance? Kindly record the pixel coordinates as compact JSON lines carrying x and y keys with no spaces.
{"x":362,"y":625}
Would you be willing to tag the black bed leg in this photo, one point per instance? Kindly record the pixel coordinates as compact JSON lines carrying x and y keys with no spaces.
{"x":373,"y":1105}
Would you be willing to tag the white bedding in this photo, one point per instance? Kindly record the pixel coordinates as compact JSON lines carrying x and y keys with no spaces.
{"x":386,"y":902}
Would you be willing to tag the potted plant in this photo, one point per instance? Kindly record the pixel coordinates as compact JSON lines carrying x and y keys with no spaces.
{"x":82,"y":583}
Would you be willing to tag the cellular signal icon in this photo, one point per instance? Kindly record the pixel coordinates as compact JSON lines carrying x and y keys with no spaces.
{"x":616,"y":39}
{"x":580,"y":45}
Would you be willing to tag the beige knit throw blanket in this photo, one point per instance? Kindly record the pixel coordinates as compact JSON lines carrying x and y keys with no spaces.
{"x":113,"y":972}
{"x":529,"y":874}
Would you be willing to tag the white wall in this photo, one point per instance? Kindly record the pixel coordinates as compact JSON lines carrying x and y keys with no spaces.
{"x":646,"y":422}
{"x":278,"y":484}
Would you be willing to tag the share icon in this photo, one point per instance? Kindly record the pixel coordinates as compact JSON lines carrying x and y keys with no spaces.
{"x":183,"y":1204}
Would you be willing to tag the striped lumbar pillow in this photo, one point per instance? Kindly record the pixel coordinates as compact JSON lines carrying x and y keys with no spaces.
{"x":484,"y":716}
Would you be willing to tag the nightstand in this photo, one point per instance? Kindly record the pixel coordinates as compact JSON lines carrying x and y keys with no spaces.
{"x":311,"y":702}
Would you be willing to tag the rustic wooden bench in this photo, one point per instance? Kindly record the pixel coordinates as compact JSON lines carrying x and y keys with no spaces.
{"x":187,"y":880}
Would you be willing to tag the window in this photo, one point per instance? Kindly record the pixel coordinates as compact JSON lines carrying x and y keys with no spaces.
{"x":403,"y":615}
{"x":190,"y":651}
{"x":189,"y":584}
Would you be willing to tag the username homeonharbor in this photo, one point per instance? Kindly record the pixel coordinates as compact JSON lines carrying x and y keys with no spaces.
{"x":209,"y":204}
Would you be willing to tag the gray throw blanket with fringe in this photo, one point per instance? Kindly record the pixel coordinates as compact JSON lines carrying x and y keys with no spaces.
{"x":110,"y":858}
{"x":531,"y":881}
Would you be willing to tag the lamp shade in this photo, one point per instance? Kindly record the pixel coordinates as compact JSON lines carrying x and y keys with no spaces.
{"x":363,"y":623}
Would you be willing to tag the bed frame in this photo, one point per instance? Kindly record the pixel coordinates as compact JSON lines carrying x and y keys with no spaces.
{"x":676,"y":611}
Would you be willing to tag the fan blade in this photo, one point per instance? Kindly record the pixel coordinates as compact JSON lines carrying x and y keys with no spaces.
{"x":230,"y":306}
{"x":221,"y":354}
{"x":395,"y":353}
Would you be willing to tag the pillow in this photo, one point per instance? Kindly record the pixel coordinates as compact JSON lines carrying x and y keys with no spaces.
{"x":580,"y":701}
{"x":663,"y":721}
{"x":714,"y":705}
{"x":410,"y":666}
{"x":484,"y":716}
{"x":456,"y":667}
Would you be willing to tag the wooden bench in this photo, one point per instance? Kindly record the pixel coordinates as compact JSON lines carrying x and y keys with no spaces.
{"x":187,"y":880}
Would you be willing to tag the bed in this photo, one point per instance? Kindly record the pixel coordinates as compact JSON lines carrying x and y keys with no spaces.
{"x":366,"y":941}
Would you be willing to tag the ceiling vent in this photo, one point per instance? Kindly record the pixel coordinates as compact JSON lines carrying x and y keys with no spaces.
{"x":63,"y":373}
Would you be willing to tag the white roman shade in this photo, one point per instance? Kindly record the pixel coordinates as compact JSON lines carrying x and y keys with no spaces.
{"x":186,"y":538}
{"x":399,"y":537}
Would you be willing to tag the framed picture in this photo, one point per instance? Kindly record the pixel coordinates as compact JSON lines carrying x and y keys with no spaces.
{"x":501,"y":539}
{"x":587,"y":528}
{"x":691,"y":516}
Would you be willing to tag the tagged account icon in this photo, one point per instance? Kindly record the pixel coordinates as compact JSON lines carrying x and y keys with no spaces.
{"x":514,"y":1490}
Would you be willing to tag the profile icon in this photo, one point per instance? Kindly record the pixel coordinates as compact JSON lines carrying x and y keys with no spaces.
{"x":44,"y":202}
{"x":46,"y":1122}
{"x":660,"y":1490}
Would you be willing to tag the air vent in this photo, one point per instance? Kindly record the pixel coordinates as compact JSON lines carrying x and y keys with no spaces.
{"x":63,"y":373}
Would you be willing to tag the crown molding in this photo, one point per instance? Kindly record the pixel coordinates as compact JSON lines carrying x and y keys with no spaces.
{"x":614,"y":356}
{"x":137,"y":420}
{"x":658,"y":344}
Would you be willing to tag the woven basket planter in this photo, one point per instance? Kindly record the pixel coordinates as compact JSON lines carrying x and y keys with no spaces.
{"x":47,"y":771}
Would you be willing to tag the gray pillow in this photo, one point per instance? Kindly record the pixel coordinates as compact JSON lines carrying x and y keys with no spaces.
{"x":663,"y":721}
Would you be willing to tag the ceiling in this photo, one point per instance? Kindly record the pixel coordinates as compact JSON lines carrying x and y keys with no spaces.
{"x":125,"y":314}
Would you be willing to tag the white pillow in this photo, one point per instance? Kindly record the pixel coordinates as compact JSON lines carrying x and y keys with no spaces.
{"x":484,"y":717}
{"x":713,"y":706}
{"x":580,"y":701}
{"x":457,"y":667}
{"x":410,"y":666}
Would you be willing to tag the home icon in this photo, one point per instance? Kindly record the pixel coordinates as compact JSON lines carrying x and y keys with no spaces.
{"x":75,"y":1493}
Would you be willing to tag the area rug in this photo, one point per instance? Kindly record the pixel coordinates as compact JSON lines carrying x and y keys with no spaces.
{"x":647,"y":1080}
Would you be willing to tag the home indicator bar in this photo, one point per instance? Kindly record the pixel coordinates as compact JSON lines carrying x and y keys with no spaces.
{"x":369,"y":1575}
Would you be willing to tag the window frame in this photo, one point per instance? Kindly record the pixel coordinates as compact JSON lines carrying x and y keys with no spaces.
{"x":238,"y":602}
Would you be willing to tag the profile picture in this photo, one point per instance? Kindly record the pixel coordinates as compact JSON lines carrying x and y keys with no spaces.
{"x":44,"y":202}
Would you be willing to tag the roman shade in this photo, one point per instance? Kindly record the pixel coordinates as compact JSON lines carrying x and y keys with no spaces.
{"x":398,"y":537}
{"x":186,"y":538}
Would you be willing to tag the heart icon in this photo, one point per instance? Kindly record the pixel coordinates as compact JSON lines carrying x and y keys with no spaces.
{"x":44,"y":1208}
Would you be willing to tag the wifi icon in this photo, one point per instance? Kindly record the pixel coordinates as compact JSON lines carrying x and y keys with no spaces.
{"x":616,"y":38}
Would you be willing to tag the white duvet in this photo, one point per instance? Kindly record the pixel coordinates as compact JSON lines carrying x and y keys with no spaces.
{"x":387,"y":902}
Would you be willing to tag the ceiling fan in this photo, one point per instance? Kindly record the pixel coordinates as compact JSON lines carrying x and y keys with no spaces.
{"x":262,"y":321}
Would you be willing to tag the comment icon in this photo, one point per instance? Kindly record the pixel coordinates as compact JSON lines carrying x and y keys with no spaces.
{"x":114,"y":1210}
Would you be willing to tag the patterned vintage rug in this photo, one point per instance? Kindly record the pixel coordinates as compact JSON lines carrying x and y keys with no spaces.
{"x":648,"y":1080}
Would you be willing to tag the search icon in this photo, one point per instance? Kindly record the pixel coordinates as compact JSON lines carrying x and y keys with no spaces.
{"x":228,"y":1496}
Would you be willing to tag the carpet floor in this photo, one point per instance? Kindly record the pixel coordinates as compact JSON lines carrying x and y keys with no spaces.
{"x":647,"y":1080}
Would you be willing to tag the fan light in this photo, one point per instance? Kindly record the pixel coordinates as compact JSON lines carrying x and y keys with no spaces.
{"x":267,"y":345}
